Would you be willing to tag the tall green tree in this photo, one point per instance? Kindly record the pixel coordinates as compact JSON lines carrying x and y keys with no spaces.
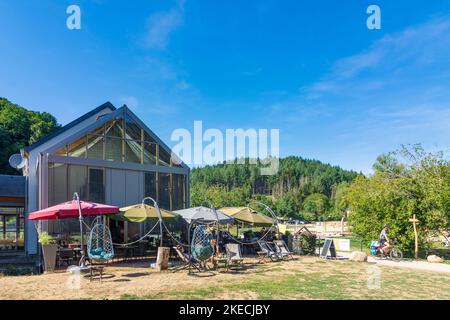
{"x":20,"y":127}
{"x":421,"y":188}
{"x":316,"y":206}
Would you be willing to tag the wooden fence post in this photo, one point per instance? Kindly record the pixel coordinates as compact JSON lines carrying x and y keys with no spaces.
{"x":414,"y":221}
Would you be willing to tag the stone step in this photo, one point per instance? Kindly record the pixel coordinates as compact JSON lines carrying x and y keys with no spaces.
{"x":11,"y":253}
{"x":18,"y":264}
{"x":18,"y":269}
{"x":16,"y":259}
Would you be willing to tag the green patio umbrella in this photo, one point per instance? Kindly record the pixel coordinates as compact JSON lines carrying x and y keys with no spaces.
{"x":248,"y":215}
{"x":141,"y":213}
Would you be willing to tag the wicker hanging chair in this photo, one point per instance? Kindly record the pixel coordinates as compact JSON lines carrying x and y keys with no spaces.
{"x":201,"y":246}
{"x":100,"y":246}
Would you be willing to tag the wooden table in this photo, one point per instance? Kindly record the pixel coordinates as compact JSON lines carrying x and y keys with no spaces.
{"x":262,"y":256}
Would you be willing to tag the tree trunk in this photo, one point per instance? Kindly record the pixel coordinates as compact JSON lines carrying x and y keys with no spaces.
{"x":162,"y":260}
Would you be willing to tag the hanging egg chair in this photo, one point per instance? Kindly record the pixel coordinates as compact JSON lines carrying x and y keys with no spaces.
{"x":201,"y":246}
{"x":100,"y":246}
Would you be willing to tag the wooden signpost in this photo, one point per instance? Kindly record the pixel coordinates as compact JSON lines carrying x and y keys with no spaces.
{"x":414,"y":221}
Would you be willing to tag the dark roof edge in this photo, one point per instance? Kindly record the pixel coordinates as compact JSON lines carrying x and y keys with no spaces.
{"x":105,"y":105}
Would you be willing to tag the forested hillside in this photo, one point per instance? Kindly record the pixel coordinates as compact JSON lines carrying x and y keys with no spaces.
{"x":20,"y":127}
{"x":301,"y":188}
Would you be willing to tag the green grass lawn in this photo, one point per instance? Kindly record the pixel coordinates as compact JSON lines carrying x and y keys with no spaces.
{"x":303,"y":278}
{"x":319,"y":280}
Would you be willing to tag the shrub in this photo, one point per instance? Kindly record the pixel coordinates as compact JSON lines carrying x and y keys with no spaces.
{"x":421,"y":187}
{"x":45,"y":238}
{"x":305,"y":244}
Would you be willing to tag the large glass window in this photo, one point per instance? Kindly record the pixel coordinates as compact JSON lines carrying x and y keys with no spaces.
{"x":57,"y":183}
{"x":114,"y":128}
{"x":113,"y":149}
{"x":133,"y":151}
{"x":164,"y":157}
{"x":164,"y":190}
{"x":77,"y":181}
{"x":148,"y":138}
{"x":120,"y":140}
{"x":64,"y":180}
{"x":178,"y":191}
{"x":95,"y":147}
{"x":133,"y":131}
{"x":150,"y":185}
{"x":149,"y":153}
{"x":96,"y":185}
{"x":77,"y":148}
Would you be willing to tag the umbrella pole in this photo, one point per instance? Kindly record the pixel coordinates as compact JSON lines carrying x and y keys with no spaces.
{"x":160,"y":226}
{"x":80,"y":219}
{"x":159,"y":217}
{"x":217,"y":231}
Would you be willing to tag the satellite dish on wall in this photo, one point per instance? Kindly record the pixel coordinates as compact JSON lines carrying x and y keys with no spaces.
{"x":17,"y":161}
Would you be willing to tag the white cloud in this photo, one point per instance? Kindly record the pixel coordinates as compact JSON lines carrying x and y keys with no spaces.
{"x":394,"y":92}
{"x":395,"y":56}
{"x":162,"y":24}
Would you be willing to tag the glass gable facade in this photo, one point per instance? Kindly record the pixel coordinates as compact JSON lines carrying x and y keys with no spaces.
{"x":119,"y":140}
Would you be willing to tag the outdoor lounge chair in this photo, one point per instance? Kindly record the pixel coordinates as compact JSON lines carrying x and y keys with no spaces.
{"x":234,"y":255}
{"x":282,"y":249}
{"x":270,"y":253}
{"x":186,"y":261}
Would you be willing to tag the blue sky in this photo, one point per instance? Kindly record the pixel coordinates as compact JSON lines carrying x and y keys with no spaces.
{"x":338,"y":92}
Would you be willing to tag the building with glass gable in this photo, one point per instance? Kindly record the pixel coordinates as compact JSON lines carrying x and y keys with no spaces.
{"x":108,"y":156}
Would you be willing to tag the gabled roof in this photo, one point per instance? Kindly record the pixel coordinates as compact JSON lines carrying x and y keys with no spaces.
{"x":12,"y":186}
{"x":115,"y":112}
{"x":70,"y":125}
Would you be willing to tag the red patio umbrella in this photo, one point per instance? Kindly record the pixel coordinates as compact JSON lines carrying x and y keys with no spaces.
{"x":73,"y":209}
{"x":70,"y":209}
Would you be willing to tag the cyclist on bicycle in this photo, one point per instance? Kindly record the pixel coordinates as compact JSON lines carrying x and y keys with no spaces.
{"x":384,"y":239}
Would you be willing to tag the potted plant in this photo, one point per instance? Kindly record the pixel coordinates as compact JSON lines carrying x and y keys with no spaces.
{"x":49,"y":250}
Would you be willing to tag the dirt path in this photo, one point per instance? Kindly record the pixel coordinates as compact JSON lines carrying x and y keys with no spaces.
{"x":419,"y":265}
{"x":412,"y":264}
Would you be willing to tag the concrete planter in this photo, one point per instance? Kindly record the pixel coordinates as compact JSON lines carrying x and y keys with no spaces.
{"x":49,"y":253}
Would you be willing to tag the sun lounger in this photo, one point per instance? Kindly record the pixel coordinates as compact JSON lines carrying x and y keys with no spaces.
{"x":270,"y":253}
{"x":234,"y":255}
{"x":186,"y":261}
{"x":282,"y":249}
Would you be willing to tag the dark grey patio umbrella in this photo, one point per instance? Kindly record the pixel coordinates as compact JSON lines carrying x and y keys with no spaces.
{"x":206,"y":215}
